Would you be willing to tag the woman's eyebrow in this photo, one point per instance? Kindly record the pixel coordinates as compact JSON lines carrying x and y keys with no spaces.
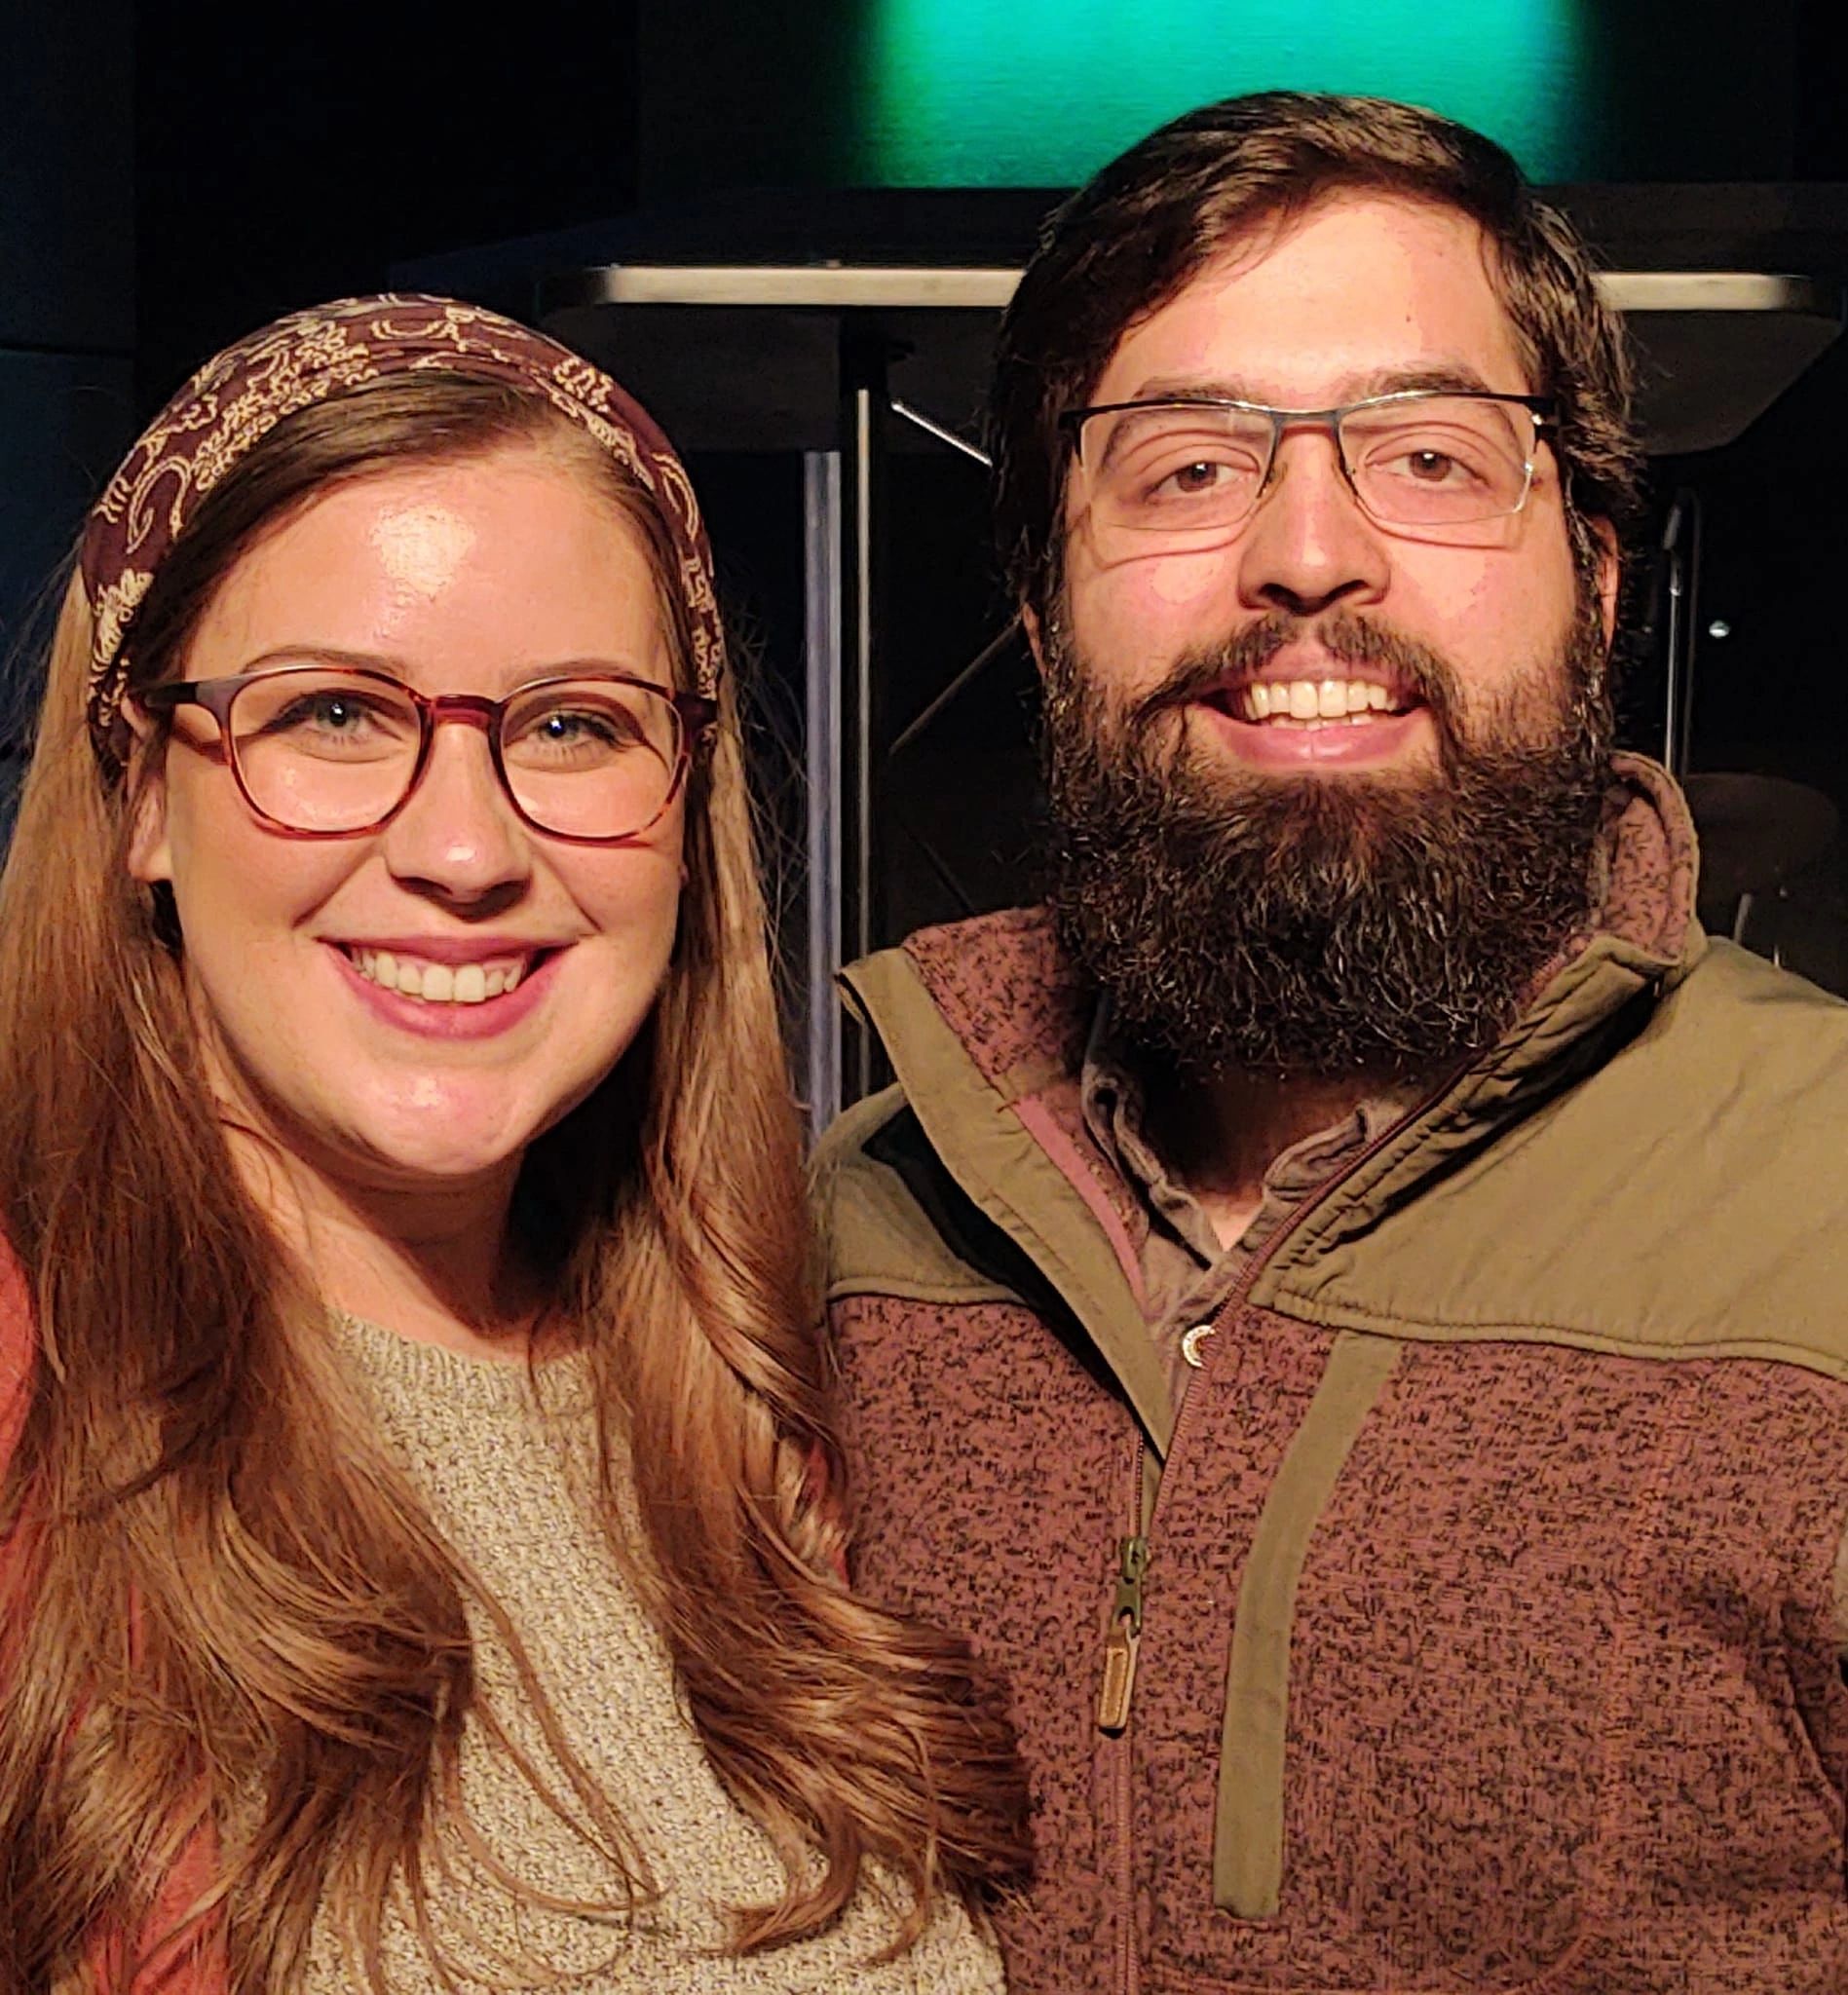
{"x":577,"y":665}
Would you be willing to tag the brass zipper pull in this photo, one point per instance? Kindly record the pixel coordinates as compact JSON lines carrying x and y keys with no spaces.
{"x":1124,"y":1639}
{"x":1120,"y":1677}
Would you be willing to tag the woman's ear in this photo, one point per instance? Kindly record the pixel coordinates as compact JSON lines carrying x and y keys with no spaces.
{"x":149,"y":858}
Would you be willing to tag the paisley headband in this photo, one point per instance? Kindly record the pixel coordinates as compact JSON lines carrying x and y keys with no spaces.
{"x":237,"y":397}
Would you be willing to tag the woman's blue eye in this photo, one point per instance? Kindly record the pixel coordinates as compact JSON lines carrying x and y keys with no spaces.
{"x":331,"y":710}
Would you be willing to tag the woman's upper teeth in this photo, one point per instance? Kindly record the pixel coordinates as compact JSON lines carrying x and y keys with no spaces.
{"x":1308,"y":700}
{"x":441,"y":983}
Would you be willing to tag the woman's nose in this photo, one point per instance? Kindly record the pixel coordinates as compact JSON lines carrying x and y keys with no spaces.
{"x":458,"y":834}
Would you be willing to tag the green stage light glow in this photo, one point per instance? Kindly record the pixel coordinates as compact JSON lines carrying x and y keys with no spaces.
{"x":1041,"y":92}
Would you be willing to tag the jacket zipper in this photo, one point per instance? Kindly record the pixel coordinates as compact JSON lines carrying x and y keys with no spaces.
{"x":1126,"y":1637}
{"x":1123,"y":1643}
{"x":1120,"y":1651}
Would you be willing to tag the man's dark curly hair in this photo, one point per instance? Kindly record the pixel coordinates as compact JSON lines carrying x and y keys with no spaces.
{"x":1125,"y":244}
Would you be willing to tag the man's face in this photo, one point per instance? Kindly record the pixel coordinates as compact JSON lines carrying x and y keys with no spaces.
{"x":1362,"y":295}
{"x":1363,"y":865}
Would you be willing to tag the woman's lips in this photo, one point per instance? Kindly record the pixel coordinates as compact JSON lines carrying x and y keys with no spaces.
{"x":468,"y":980}
{"x":437,"y":999}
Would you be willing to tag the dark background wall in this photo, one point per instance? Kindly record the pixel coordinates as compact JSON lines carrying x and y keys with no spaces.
{"x":173,"y":173}
{"x":284,"y":155}
{"x":281,"y":155}
{"x":66,"y":281}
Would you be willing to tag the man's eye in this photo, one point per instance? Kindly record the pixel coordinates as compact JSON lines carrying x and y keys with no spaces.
{"x":1433,"y":462}
{"x":1216,"y":472}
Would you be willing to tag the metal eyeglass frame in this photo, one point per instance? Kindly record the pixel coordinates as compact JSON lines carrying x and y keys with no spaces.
{"x":694,"y":713}
{"x":1543,"y":408}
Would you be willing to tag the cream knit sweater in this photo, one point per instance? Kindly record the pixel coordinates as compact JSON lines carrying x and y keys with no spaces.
{"x":503,"y":1464}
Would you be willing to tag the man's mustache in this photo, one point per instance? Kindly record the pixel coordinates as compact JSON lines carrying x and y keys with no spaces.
{"x":1348,"y":638}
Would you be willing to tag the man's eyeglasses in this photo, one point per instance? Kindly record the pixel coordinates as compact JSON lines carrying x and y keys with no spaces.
{"x":331,"y":751}
{"x":1439,"y":463}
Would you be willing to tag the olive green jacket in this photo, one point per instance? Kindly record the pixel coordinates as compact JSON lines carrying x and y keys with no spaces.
{"x":1477,"y":1623}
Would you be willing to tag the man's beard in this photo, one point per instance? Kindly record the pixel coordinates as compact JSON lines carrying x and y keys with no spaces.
{"x":1327,"y":923}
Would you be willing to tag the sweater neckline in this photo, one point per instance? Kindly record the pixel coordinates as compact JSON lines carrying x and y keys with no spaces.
{"x":424,"y":1369}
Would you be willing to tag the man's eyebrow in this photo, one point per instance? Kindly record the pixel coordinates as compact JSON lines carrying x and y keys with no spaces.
{"x":1188,"y":388}
{"x":1433,"y":377}
{"x":1430,"y":377}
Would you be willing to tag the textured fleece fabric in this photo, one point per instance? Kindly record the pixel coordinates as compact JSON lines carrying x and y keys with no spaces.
{"x":1489,"y":1635}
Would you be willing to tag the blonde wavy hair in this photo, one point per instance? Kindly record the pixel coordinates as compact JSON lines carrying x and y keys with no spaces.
{"x":214,"y":1584}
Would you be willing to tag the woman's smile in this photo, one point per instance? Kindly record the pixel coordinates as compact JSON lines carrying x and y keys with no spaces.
{"x":472,"y":998}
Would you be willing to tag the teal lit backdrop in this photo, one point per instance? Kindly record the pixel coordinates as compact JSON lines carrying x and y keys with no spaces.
{"x":988,"y":94}
{"x":1038,"y":92}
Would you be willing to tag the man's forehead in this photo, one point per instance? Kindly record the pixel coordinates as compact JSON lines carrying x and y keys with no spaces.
{"x":1360,"y":294}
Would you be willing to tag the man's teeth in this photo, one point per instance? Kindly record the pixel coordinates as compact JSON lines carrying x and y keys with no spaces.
{"x":439,"y":983}
{"x":1310,"y":699}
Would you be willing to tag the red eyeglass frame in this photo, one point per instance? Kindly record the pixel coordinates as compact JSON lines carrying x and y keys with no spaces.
{"x":695,"y":713}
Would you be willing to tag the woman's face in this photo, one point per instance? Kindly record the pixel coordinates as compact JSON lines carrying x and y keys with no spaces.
{"x":462,"y":578}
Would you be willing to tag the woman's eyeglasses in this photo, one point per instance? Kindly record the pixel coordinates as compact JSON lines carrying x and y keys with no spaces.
{"x":331,"y":751}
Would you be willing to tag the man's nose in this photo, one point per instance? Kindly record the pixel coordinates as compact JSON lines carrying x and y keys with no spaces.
{"x":458,"y":837}
{"x":1308,"y":544}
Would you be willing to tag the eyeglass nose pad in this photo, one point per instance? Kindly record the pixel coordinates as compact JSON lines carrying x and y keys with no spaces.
{"x":1325,"y":424}
{"x":471,"y":708}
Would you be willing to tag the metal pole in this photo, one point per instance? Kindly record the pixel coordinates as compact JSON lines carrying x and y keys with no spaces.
{"x":1681,"y":545}
{"x":1672,"y":637}
{"x":1690,"y":643}
{"x":941,"y":431}
{"x":821,"y":767}
{"x":862,"y":928}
